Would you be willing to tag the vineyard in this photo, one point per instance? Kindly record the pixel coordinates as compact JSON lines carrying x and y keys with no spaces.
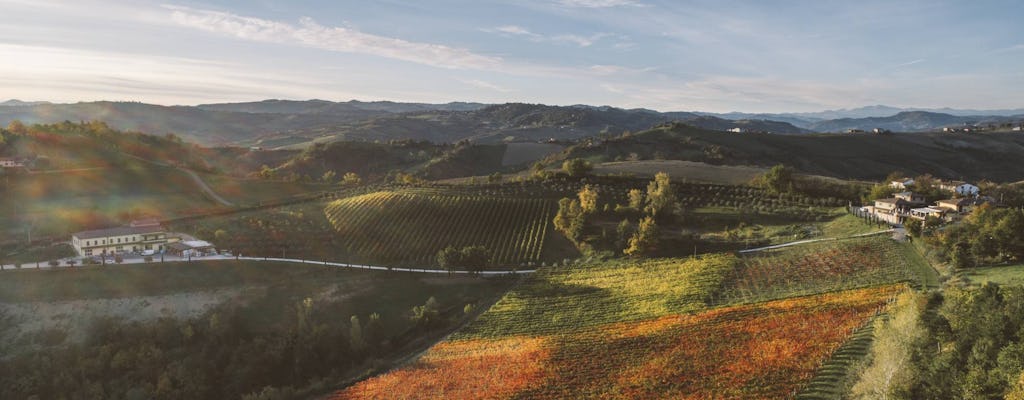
{"x":410,"y":227}
{"x":767,"y":350}
{"x":817,"y":268}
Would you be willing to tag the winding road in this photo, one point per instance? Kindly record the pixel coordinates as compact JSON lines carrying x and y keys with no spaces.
{"x":44,"y":264}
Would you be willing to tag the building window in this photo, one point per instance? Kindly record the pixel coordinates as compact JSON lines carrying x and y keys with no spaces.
{"x":88,"y":252}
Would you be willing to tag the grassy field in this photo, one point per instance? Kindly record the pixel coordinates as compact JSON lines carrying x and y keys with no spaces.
{"x":633,"y":330}
{"x":522,"y":153}
{"x":252,"y":192}
{"x":58,"y":204}
{"x":1010,"y":275}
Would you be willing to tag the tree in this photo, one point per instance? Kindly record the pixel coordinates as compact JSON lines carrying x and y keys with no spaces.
{"x":449,"y":259}
{"x":636,"y":199}
{"x":220,"y":235}
{"x":914,"y":227}
{"x":624,"y":231}
{"x":427,"y":314}
{"x":661,"y":197}
{"x":266,"y":172}
{"x":355,"y":337}
{"x":779,"y":179}
{"x":570,"y":218}
{"x":372,"y":331}
{"x":329,"y":176}
{"x":495,"y":178}
{"x":351,"y":179}
{"x":475,"y":258}
{"x":644,"y":239}
{"x":17,"y":127}
{"x":588,"y":199}
{"x":577,"y":167}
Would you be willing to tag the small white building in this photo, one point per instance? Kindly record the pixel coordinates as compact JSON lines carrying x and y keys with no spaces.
{"x":7,"y":162}
{"x":736,"y":130}
{"x":191,"y":248}
{"x":966,"y":189}
{"x":925,"y":212}
{"x":901,"y":183}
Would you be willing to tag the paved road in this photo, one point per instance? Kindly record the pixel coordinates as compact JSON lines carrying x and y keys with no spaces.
{"x":799,"y":242}
{"x":43,"y":264}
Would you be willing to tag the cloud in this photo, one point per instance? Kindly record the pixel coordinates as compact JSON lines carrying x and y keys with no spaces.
{"x":486,"y":85}
{"x":310,"y":34}
{"x":66,"y":74}
{"x":598,"y":3}
{"x":579,"y":40}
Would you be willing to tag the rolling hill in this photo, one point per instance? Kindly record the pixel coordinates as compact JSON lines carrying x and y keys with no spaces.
{"x":992,"y":156}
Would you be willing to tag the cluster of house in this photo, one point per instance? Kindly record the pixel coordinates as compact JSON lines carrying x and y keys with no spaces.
{"x":11,"y":162}
{"x":908,"y":204}
{"x":142,"y":237}
{"x":981,"y":128}
{"x":877,"y":131}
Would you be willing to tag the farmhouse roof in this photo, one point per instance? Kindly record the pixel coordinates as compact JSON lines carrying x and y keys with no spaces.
{"x":118,"y":231}
{"x":889,"y":200}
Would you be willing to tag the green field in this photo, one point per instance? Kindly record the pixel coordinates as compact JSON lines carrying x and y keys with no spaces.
{"x":58,"y":204}
{"x":254,"y":192}
{"x":684,"y":170}
{"x":1009,"y":275}
{"x":567,"y":298}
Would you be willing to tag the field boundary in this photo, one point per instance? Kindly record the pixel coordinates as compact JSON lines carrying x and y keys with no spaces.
{"x":809,"y":241}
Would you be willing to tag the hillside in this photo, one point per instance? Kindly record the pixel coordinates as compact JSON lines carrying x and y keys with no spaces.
{"x":276,"y":123}
{"x":993,"y":156}
{"x":909,"y":121}
{"x":634,"y":329}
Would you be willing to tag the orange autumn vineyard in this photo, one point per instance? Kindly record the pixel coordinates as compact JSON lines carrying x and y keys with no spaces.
{"x":640,"y":329}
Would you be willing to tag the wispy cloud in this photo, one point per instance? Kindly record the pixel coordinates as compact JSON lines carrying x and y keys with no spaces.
{"x":579,"y":40}
{"x":908,"y":63}
{"x":309,"y":33}
{"x":486,"y":85}
{"x":598,"y":3}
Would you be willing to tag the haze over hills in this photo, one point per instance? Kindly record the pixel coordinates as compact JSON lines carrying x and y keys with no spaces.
{"x":298,"y":124}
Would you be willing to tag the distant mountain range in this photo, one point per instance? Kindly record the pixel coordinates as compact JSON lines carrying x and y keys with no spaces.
{"x":297,"y":124}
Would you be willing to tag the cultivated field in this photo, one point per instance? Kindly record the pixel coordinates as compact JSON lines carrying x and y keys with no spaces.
{"x":685,"y":170}
{"x":411,"y":227}
{"x":634,"y":330}
{"x":822,"y":267}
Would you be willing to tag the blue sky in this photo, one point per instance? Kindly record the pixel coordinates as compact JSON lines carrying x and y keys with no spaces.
{"x":752,"y":56}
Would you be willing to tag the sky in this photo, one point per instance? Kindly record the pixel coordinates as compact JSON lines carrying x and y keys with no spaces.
{"x":715,"y":55}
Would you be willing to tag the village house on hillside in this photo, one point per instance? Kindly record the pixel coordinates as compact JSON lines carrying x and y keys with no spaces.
{"x":901,"y":184}
{"x":138,"y":237}
{"x":960,"y":187}
{"x":10,"y":162}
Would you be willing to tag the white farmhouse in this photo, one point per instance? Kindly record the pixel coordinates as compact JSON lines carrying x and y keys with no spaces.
{"x":120,"y":240}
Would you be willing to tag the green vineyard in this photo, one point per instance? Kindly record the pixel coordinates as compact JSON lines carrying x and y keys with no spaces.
{"x":409,"y":228}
